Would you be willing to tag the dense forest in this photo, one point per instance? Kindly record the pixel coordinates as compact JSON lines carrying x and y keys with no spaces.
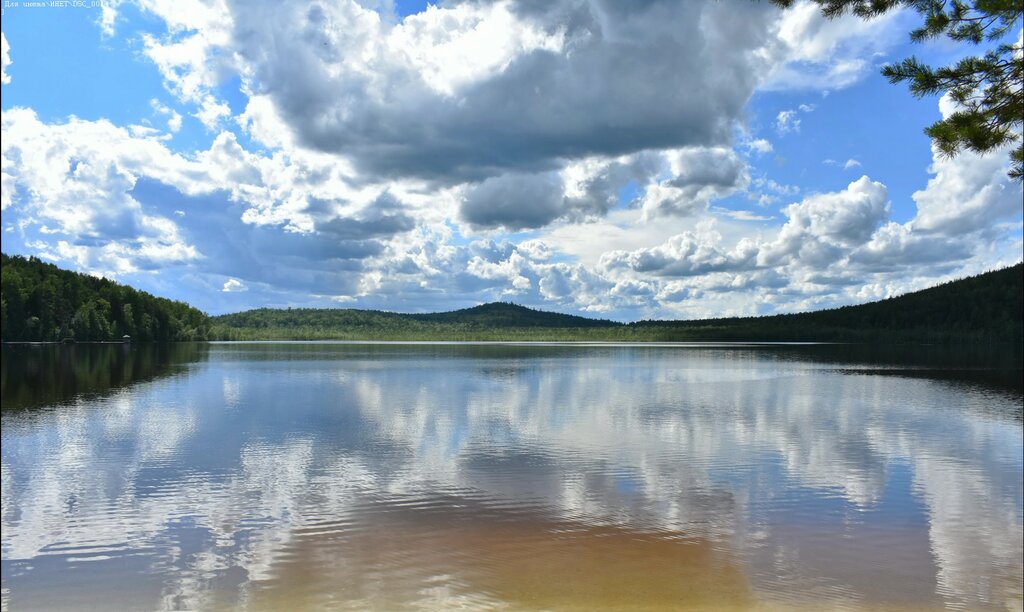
{"x":986,"y":308}
{"x":39,"y":302}
{"x":495,"y":321}
{"x":503,"y":314}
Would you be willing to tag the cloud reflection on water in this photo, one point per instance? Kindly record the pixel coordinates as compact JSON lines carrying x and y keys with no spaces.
{"x":820,"y":484}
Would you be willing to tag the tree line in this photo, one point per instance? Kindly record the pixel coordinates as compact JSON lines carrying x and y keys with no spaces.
{"x":988,"y":308}
{"x":40,"y":302}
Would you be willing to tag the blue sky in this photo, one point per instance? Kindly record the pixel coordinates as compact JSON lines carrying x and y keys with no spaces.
{"x":663,"y":160}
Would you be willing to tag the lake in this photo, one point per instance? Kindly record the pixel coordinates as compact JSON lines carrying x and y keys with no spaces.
{"x":434,"y":476}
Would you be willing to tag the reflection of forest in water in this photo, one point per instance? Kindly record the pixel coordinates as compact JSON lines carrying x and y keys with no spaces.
{"x":845,"y":475}
{"x":41,"y":375}
{"x":996,"y":367}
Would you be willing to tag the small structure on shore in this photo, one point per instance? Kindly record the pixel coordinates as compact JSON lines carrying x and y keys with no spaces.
{"x":126,"y":338}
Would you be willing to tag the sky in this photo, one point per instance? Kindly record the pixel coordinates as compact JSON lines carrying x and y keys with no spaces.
{"x":644,"y":160}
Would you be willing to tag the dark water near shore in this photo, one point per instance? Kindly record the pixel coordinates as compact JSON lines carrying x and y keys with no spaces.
{"x":395,"y":476}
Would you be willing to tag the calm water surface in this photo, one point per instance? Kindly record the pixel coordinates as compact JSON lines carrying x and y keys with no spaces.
{"x":370,"y":476}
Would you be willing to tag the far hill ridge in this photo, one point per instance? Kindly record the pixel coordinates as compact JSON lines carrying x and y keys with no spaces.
{"x":988,"y":307}
{"x":505,"y":314}
{"x":44,"y":303}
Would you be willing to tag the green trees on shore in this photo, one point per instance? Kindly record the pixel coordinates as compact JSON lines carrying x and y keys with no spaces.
{"x":39,"y":302}
{"x":983,"y":309}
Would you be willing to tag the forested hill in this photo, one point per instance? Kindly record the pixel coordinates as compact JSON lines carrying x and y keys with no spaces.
{"x":503,"y":314}
{"x":41,"y":302}
{"x":988,"y":307}
{"x":984,"y":308}
{"x":311,"y":323}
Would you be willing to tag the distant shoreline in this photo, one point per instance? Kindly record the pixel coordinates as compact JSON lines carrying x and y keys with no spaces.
{"x":434,"y":341}
{"x":525,"y":342}
{"x":63,"y":342}
{"x":987,"y":309}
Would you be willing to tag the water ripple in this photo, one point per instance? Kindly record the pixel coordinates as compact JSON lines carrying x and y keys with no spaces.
{"x":490,"y":478}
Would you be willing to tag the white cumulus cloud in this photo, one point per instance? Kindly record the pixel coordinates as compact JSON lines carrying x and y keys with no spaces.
{"x":5,"y":59}
{"x":233,"y":285}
